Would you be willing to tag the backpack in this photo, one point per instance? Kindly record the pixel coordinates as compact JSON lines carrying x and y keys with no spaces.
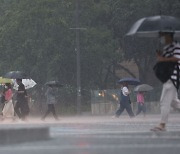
{"x":164,"y":70}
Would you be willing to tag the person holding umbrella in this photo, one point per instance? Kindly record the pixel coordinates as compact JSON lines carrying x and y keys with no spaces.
{"x":169,"y":96}
{"x":166,"y":27}
{"x":125,"y":102}
{"x":141,"y":103}
{"x":50,"y":100}
{"x":21,"y":107}
{"x":141,"y":89}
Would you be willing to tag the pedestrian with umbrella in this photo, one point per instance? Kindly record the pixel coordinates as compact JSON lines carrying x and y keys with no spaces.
{"x":141,"y":89}
{"x":21,"y":107}
{"x":51,"y":98}
{"x":169,"y":97}
{"x":141,"y":103}
{"x":125,"y":102}
{"x":168,"y":60}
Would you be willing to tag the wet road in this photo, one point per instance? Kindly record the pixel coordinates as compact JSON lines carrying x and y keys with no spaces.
{"x":103,"y":135}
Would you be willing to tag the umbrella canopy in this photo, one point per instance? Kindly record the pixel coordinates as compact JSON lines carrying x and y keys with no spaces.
{"x":129,"y":81}
{"x":5,"y":80}
{"x":16,"y":75}
{"x":54,"y":84}
{"x":28,"y":83}
{"x":143,"y":87}
{"x":151,"y":26}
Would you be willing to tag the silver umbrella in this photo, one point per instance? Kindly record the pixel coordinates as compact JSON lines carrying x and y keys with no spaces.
{"x":153,"y":25}
{"x":143,"y":87}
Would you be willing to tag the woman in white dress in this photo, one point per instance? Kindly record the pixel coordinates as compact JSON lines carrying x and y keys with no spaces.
{"x":8,"y":110}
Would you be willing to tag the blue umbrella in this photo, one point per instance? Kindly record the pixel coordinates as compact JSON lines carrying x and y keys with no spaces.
{"x":129,"y":81}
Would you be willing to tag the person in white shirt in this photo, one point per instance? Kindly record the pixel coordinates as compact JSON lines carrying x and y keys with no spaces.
{"x":169,"y":96}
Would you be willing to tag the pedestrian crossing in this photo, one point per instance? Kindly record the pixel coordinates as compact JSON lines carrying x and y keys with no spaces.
{"x":102,"y":138}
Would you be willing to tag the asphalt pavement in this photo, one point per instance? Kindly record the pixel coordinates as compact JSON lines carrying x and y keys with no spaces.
{"x":99,"y":135}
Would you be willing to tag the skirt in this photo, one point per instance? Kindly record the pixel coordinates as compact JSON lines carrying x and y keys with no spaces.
{"x":8,"y":110}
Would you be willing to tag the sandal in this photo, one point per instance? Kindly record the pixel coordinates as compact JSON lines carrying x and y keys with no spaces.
{"x":159,"y":129}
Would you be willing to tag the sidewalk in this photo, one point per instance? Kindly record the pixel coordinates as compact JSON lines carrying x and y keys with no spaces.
{"x":35,"y":129}
{"x":91,"y":135}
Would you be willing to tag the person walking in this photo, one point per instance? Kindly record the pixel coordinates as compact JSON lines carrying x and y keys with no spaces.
{"x":3,"y":98}
{"x":50,"y":100}
{"x":169,"y":96}
{"x":21,"y":107}
{"x":141,"y":103}
{"x":125,"y":102}
{"x":8,"y":109}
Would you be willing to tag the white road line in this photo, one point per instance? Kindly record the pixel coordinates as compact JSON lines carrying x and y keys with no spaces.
{"x":71,"y":131}
{"x":75,"y":130}
{"x":92,"y":147}
{"x":103,"y":136}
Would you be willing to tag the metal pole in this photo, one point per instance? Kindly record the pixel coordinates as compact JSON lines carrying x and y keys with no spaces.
{"x":78,"y":60}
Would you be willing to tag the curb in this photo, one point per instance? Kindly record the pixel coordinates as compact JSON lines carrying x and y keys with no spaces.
{"x":23,"y":134}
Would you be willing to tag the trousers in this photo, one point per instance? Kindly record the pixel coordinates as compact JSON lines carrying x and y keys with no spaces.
{"x":50,"y":109}
{"x":169,"y":97}
{"x":125,"y":106}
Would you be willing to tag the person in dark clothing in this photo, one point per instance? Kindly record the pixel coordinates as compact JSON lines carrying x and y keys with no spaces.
{"x":21,"y":107}
{"x":50,"y":100}
{"x":125,"y":102}
{"x":3,"y":98}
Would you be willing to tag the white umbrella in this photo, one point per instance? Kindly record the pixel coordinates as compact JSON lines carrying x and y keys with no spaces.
{"x":143,"y":87}
{"x":28,"y":83}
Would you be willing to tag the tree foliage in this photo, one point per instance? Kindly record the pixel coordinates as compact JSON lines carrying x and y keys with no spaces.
{"x":36,"y":37}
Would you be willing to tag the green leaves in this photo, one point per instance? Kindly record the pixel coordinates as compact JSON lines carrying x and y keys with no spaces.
{"x":36,"y":38}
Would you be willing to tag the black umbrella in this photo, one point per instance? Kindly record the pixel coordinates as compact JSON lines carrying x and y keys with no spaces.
{"x":129,"y":81}
{"x":16,"y":75}
{"x":151,"y":26}
{"x":54,"y":84}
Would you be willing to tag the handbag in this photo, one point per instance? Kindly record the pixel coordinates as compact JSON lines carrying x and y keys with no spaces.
{"x":164,"y":70}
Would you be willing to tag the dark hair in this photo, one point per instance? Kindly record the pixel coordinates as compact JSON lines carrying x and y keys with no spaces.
{"x":171,"y":34}
{"x":8,"y":85}
{"x":19,"y":80}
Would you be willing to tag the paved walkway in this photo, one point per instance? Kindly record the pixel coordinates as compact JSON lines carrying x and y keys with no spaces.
{"x":100,"y":135}
{"x":123,"y":123}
